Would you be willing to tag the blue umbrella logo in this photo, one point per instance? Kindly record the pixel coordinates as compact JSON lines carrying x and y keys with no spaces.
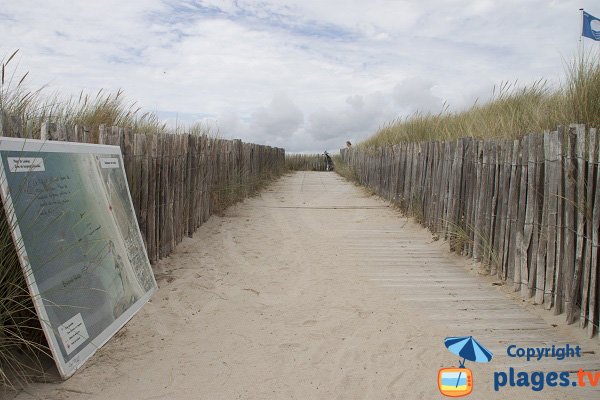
{"x":469,"y":349}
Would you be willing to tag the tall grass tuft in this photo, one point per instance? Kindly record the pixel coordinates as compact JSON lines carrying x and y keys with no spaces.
{"x":343,"y":169}
{"x":22,"y":344}
{"x":513,"y":111}
{"x":33,"y":107}
{"x":305,"y":162}
{"x":581,"y":98}
{"x":104,"y":109}
{"x":15,"y":98}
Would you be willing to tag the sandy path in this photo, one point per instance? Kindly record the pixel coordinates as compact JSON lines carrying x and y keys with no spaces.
{"x":315,"y":290}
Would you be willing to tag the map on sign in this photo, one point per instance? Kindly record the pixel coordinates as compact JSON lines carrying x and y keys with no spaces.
{"x":79,"y":244}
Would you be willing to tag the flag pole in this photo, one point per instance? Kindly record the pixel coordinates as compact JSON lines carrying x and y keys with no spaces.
{"x":581,"y":41}
{"x":581,"y":30}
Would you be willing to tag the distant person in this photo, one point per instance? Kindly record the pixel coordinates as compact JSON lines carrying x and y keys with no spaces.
{"x":328,"y":162}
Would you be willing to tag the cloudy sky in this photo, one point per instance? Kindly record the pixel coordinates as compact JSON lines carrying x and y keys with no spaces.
{"x":304,"y":75}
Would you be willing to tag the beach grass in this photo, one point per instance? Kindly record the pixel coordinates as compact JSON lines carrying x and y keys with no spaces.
{"x":23,"y":346}
{"x":35,"y":106}
{"x":512,"y":112}
{"x":305,"y":162}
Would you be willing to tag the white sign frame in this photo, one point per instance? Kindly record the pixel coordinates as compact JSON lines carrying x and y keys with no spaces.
{"x":65,"y":367}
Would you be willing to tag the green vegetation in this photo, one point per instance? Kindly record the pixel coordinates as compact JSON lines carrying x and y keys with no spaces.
{"x":22,"y":343}
{"x":305,"y":162}
{"x":343,"y":169}
{"x":32,"y":107}
{"x":512,"y":113}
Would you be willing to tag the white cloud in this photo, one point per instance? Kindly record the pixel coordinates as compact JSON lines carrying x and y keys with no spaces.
{"x":416,"y":94}
{"x":280,"y":119}
{"x":303,"y":74}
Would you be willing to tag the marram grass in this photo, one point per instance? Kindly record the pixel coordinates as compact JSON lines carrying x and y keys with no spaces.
{"x":305,"y":162}
{"x":22,"y":343}
{"x":513,"y":112}
{"x":35,"y":106}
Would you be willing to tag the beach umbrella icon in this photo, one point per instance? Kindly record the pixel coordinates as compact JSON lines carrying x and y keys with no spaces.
{"x":469,"y":349}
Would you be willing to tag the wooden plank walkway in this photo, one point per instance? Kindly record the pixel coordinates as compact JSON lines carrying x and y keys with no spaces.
{"x":318,"y":290}
{"x":401,"y":257}
{"x":528,"y":209}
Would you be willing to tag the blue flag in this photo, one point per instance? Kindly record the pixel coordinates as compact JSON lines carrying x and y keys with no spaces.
{"x":591,"y":26}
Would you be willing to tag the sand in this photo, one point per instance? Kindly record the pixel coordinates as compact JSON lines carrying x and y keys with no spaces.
{"x":316,"y":290}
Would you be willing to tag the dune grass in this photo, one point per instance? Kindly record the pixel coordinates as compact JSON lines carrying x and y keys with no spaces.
{"x":342,"y":168}
{"x":305,"y":162}
{"x":22,"y":343}
{"x":35,"y":106}
{"x":513,"y":111}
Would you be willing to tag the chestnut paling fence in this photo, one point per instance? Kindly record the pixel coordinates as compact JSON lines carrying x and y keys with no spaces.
{"x":528,"y":209}
{"x":176,"y":180}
